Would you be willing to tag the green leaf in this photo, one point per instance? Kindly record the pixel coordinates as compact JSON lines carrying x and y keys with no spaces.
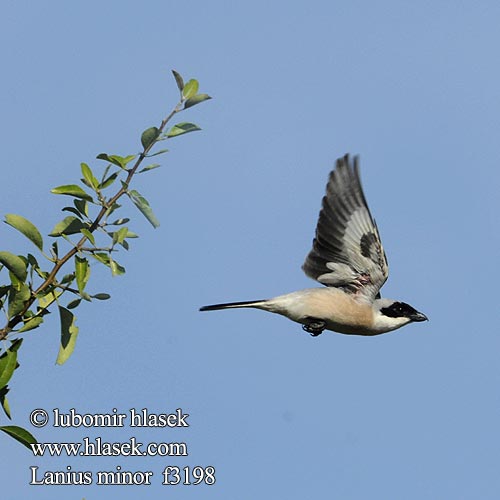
{"x":47,"y":299}
{"x":67,"y":278}
{"x":149,"y":137}
{"x":42,"y":274}
{"x":157,"y":153}
{"x":88,"y":235}
{"x":178,"y":80}
{"x":32,"y":261}
{"x":18,"y":295}
{"x":103,"y":156}
{"x":31,"y":324}
{"x":101,"y":296}
{"x":196,"y":99}
{"x":72,"y":190}
{"x":142,"y":204}
{"x":73,"y":211}
{"x":89,"y":176}
{"x":104,"y":258}
{"x":69,"y":333}
{"x":26,"y":227}
{"x":190,"y":89}
{"x":14,"y":264}
{"x":69,"y":225}
{"x":182,"y":128}
{"x":116,"y":269}
{"x":19,"y":434}
{"x":4,"y":402}
{"x":149,"y":167}
{"x":8,"y":362}
{"x":14,"y":280}
{"x":82,"y":272}
{"x":16,"y":344}
{"x":73,"y":304}
{"x":108,"y":181}
{"x":82,"y":206}
{"x":123,"y":161}
{"x":119,"y":161}
{"x":119,"y":222}
{"x":125,"y":245}
{"x":101,"y":257}
{"x":105,"y":173}
{"x":120,"y":235}
{"x":4,"y":290}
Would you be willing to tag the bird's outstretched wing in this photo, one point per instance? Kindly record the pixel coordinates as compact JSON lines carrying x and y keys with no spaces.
{"x":347,"y":251}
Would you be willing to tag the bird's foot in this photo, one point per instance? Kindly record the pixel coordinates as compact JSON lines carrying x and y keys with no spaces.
{"x":314,"y":326}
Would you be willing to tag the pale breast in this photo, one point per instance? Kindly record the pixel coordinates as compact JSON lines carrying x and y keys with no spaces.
{"x":339,"y":310}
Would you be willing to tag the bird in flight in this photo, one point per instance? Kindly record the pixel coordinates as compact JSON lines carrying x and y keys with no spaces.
{"x":348,"y":257}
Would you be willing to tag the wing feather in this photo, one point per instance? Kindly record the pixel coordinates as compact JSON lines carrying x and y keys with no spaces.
{"x":347,"y":250}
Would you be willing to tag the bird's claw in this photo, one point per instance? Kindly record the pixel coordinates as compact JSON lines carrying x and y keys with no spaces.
{"x":315,"y":327}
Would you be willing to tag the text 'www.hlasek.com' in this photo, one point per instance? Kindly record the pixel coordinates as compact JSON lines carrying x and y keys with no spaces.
{"x":169,"y":474}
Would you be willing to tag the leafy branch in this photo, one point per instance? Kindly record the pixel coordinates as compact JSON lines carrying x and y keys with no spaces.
{"x":30,"y":292}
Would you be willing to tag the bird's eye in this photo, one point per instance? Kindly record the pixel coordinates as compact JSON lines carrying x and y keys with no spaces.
{"x":397,"y":310}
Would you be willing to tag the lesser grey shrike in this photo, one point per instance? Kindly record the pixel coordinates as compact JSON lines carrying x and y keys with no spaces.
{"x":347,"y":256}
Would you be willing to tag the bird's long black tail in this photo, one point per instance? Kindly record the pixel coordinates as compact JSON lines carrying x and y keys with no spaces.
{"x":234,"y":305}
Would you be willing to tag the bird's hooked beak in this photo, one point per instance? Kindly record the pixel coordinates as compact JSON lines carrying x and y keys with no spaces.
{"x":418,"y":316}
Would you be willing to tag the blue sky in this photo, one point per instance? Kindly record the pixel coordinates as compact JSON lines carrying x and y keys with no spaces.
{"x":411,"y":87}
